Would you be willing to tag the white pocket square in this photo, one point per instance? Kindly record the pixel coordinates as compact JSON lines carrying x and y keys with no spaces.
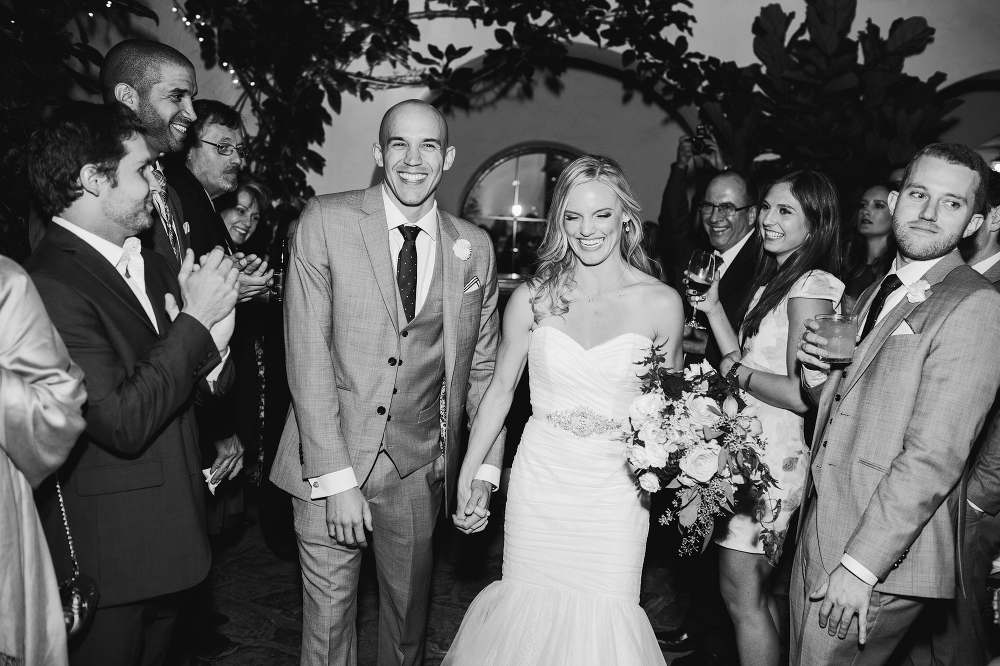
{"x":902,"y":329}
{"x":472,"y":286}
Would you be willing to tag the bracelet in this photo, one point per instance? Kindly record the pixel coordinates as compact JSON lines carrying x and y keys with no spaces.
{"x":746,"y":384}
{"x":732,"y":378}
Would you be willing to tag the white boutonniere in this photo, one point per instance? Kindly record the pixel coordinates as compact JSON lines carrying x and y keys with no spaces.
{"x":463,"y":249}
{"x":918,"y":291}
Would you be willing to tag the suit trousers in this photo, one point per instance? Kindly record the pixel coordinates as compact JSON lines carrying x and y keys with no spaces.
{"x":889,"y":615}
{"x":404,"y":512}
{"x":136,"y":634}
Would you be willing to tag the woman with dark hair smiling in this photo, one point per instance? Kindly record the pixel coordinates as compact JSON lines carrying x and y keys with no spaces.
{"x":799,"y":224}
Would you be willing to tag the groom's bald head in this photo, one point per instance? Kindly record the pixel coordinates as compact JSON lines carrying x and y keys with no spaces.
{"x":411,"y":106}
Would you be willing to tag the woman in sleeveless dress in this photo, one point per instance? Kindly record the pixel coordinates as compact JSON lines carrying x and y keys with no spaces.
{"x":795,"y":266}
{"x":576,"y":523}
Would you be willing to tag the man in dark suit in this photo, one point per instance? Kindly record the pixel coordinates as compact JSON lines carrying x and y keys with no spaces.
{"x":148,"y":342}
{"x":726,"y":213}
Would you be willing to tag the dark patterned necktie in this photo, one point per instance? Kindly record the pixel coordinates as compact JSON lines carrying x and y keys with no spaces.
{"x":890,"y":284}
{"x":406,"y":270}
{"x":160,"y":201}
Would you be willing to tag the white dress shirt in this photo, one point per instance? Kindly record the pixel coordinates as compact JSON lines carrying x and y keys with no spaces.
{"x":908,"y":274}
{"x":730,"y":255}
{"x":136,"y":279}
{"x":337,"y":482}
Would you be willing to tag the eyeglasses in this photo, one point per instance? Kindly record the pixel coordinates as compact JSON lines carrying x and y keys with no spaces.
{"x":228,"y":148}
{"x":728,"y":210}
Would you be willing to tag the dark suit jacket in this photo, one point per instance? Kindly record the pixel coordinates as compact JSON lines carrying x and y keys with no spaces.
{"x":133,"y":486}
{"x":155,"y":238}
{"x":206,"y":226}
{"x":734,"y":290}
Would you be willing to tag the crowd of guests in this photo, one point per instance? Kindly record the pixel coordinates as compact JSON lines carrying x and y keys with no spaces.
{"x":142,"y":370}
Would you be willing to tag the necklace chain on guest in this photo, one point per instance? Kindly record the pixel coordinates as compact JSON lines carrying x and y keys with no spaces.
{"x":590,"y":299}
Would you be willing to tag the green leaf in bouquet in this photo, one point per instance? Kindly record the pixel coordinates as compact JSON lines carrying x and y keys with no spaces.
{"x":723,"y":455}
{"x":708,"y":536}
{"x":711,"y":432}
{"x":687,"y":495}
{"x":688,"y":515}
{"x":673,"y":483}
{"x":730,"y":499}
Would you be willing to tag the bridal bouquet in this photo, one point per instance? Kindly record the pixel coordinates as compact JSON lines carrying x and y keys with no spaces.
{"x":692,"y":432}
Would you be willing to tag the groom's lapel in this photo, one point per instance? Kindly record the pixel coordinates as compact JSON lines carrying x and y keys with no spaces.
{"x":452,"y":273}
{"x":870,"y":347}
{"x":375,"y":231}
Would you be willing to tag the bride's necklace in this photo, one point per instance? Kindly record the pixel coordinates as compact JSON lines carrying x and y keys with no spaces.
{"x":590,"y":299}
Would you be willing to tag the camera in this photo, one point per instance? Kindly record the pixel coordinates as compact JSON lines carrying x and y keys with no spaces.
{"x":698,"y":145}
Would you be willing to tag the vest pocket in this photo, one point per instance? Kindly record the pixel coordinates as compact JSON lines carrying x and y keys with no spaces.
{"x":430,"y":412}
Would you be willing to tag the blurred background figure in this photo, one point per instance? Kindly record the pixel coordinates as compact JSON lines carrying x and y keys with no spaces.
{"x":41,"y":393}
{"x":869,"y":246}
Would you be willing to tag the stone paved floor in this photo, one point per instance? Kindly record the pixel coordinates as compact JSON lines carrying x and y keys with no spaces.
{"x":261,"y":595}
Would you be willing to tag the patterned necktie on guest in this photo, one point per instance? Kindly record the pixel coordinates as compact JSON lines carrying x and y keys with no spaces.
{"x":160,"y":201}
{"x":406,"y":270}
{"x":890,"y":284}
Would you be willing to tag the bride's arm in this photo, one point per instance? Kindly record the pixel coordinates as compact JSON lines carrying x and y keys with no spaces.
{"x":669,"y":325}
{"x":511,"y":357}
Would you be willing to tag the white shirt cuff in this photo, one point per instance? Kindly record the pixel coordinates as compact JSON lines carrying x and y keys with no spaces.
{"x":859,"y":570}
{"x":213,"y":376}
{"x":333,"y":483}
{"x":490,"y":475}
{"x":813,"y":378}
{"x":973,"y":505}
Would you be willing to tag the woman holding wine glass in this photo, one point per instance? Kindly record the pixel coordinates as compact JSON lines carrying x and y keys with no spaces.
{"x":796,"y":265}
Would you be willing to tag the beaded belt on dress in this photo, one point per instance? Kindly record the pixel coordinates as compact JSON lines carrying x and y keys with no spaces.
{"x":582,"y":421}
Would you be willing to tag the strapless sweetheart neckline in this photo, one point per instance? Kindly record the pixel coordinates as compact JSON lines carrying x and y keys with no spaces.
{"x":597,"y":346}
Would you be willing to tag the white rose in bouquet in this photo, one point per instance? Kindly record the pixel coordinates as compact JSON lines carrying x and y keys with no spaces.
{"x":652,"y":433}
{"x":703,"y":411}
{"x":656,"y":454}
{"x":646,"y":406}
{"x":637,"y":457}
{"x":702,"y":462}
{"x":649,"y":482}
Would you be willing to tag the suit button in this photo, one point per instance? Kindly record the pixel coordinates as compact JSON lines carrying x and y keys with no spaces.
{"x":405,"y":333}
{"x":392,"y":360}
{"x":380,"y":411}
{"x":824,"y":445}
{"x":399,"y":362}
{"x":388,"y":418}
{"x":395,"y":391}
{"x":837,"y":397}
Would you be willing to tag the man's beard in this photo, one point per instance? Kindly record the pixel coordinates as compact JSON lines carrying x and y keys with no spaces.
{"x":913,"y":249}
{"x":135,"y":220}
{"x":157,"y":129}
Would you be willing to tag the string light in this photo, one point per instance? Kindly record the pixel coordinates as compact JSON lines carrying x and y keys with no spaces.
{"x":90,"y":14}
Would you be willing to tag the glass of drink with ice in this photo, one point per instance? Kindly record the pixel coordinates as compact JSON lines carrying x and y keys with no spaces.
{"x":841,"y":333}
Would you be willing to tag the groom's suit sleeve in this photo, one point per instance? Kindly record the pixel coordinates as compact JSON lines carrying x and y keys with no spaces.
{"x":308,"y":332}
{"x":484,"y":358}
{"x":957,"y":387}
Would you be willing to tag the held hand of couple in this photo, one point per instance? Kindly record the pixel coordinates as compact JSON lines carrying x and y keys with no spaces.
{"x":347,"y":517}
{"x":844,"y":595}
{"x":472,"y":514}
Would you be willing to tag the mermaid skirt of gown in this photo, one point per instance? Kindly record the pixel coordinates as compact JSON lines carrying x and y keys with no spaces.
{"x":574,"y":541}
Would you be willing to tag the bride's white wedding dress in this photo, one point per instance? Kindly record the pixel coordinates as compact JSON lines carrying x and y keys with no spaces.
{"x":575,"y":532}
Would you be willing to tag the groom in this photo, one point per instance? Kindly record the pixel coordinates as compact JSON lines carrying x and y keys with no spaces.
{"x":895,"y":429}
{"x":387,"y":297}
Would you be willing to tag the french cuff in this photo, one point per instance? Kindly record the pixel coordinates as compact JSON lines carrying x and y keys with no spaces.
{"x":859,"y":570}
{"x":813,"y":378}
{"x":333,"y":483}
{"x":213,"y":376}
{"x":490,"y":475}
{"x":973,"y":505}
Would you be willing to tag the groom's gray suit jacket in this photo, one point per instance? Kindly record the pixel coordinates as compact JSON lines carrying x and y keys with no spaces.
{"x":349,"y":348}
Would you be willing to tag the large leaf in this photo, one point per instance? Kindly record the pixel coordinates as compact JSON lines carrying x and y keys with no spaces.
{"x":770,"y":29}
{"x":909,"y":37}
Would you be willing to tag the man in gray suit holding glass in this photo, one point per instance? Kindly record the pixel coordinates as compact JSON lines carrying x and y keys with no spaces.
{"x":895,"y":429}
{"x":391,"y":308}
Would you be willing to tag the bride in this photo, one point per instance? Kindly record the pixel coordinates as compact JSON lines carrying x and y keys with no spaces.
{"x":576,"y":524}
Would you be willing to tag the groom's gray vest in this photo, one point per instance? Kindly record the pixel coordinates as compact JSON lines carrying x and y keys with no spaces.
{"x":413,"y":427}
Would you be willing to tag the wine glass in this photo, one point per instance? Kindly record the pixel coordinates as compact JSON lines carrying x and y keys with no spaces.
{"x":701,"y":274}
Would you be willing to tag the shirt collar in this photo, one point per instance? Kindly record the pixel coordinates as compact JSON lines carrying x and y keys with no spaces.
{"x":108,"y":250}
{"x":395,"y":218}
{"x":913,"y":271}
{"x":731,"y":253}
{"x":987,"y":263}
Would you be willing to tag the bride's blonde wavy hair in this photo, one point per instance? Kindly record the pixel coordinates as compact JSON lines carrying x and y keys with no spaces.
{"x":556,"y":262}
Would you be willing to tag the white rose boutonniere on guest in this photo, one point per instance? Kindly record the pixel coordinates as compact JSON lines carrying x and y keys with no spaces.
{"x":463,"y":249}
{"x":918,"y":291}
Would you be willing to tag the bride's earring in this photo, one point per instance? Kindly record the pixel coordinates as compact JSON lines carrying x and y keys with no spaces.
{"x":627,"y":226}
